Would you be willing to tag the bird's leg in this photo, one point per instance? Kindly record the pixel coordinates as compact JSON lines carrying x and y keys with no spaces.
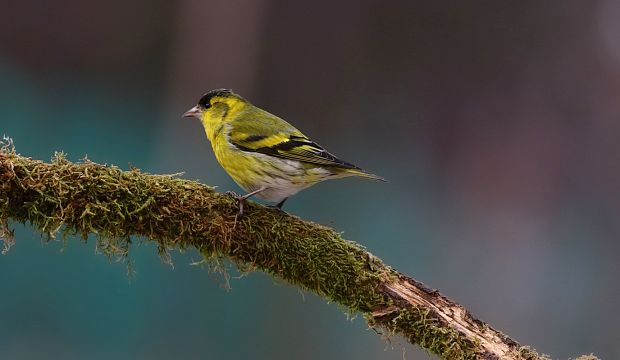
{"x":278,"y":206}
{"x":242,"y":198}
{"x":281,"y":203}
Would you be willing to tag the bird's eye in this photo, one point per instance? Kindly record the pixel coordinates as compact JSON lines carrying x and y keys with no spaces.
{"x":206,"y":106}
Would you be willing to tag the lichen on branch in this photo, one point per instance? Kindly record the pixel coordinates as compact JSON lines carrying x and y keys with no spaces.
{"x":62,"y":198}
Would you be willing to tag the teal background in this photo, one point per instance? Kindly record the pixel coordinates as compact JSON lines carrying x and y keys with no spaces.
{"x":496,"y":124}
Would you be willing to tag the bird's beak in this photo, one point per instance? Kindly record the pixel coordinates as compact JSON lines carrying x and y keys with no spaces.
{"x":193,"y":112}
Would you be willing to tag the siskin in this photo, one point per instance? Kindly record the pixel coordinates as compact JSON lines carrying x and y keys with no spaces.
{"x":265,"y":155}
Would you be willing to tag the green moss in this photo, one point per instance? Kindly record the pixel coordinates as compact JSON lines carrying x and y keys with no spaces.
{"x":527,"y":353}
{"x":6,"y":235}
{"x":424,"y":330}
{"x":66,"y":199}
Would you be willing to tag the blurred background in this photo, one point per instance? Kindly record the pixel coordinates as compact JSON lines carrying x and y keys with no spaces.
{"x":496,"y":123}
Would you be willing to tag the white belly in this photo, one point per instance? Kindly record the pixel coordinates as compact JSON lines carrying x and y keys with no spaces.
{"x":290,"y":178}
{"x":278,"y":192}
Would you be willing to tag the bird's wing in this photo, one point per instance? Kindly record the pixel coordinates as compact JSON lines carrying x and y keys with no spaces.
{"x":268,"y":134}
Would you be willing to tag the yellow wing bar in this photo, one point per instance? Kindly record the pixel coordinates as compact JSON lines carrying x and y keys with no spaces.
{"x":292,"y":147}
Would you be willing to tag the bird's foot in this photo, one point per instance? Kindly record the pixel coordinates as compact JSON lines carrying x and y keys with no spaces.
{"x":232,"y":194}
{"x":240,"y":201}
{"x":276,"y":207}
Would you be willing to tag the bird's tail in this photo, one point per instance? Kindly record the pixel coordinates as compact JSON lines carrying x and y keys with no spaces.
{"x":362,"y":173}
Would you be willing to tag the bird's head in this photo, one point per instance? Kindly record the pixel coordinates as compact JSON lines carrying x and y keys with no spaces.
{"x":216,"y":107}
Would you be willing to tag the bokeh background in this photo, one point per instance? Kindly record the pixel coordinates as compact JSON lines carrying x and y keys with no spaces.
{"x":496,"y":123}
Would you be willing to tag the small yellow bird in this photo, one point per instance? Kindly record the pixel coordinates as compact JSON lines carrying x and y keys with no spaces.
{"x":265,"y":155}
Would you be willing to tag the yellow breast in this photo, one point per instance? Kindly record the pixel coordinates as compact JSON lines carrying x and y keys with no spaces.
{"x":240,"y":166}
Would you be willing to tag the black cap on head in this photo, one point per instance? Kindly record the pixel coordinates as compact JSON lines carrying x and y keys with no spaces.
{"x":205,"y":100}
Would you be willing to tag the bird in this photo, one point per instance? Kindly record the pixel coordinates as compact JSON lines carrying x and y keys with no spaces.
{"x":266,"y":156}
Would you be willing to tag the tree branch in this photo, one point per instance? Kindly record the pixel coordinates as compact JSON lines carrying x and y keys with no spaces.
{"x":87,"y":198}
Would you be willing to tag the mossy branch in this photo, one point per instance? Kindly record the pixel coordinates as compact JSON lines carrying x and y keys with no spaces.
{"x":87,"y":198}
